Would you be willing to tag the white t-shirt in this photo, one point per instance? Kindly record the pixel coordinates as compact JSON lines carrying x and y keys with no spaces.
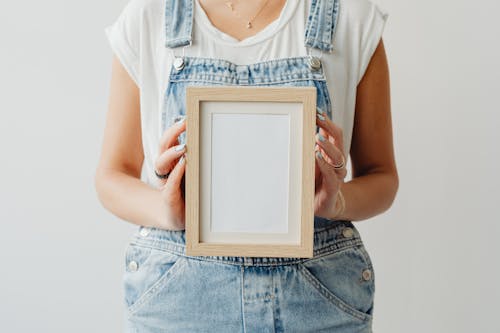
{"x":137,"y":38}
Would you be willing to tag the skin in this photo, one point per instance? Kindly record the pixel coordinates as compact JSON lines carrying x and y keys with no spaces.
{"x":370,"y":192}
{"x":234,"y":23}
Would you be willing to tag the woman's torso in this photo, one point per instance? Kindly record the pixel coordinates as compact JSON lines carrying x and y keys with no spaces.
{"x":283,"y":38}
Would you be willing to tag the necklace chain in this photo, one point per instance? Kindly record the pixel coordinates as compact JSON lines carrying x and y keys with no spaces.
{"x":230,"y":5}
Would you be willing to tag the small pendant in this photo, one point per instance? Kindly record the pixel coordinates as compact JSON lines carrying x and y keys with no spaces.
{"x":249,"y":25}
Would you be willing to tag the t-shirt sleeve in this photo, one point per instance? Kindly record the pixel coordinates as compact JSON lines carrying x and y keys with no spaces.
{"x":374,"y":21}
{"x":124,"y":38}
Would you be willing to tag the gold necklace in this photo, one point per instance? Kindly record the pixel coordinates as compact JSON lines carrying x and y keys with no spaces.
{"x":248,"y":22}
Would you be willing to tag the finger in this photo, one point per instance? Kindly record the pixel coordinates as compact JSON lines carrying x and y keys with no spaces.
{"x":166,"y":160}
{"x":326,"y":135}
{"x":341,"y":172}
{"x":175,"y":177}
{"x":329,"y":175}
{"x":330,"y":139}
{"x":332,"y":129}
{"x":334,"y":155}
{"x":169,"y":137}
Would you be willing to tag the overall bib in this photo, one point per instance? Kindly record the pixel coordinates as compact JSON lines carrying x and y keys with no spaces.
{"x":168,"y":291}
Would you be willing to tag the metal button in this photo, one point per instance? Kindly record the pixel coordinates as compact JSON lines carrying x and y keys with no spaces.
{"x":144,"y":231}
{"x":348,"y":232}
{"x":367,"y":274}
{"x":314,"y":63}
{"x":132,"y":266}
{"x":179,"y":63}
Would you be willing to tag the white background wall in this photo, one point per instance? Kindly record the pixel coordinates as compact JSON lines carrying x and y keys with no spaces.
{"x":434,"y":252}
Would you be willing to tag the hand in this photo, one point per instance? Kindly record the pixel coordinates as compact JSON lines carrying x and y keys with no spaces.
{"x":328,"y":180}
{"x":172,"y":188}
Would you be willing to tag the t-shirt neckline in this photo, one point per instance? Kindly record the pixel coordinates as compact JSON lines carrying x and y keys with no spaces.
{"x":201,"y":18}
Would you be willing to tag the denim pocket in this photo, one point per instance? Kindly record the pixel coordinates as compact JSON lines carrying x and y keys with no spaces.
{"x":345,"y":279}
{"x":147,"y":272}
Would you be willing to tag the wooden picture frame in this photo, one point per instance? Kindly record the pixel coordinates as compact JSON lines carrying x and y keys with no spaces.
{"x":249,"y":179}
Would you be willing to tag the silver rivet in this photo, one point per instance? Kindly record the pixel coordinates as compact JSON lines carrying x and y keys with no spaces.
{"x":144,"y":231}
{"x":347,"y":232}
{"x":178,"y":63}
{"x":132,"y":266}
{"x":367,"y":274}
{"x":314,"y":63}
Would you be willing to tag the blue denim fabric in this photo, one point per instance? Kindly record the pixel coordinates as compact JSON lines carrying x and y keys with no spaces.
{"x":168,"y":291}
{"x":293,"y":71}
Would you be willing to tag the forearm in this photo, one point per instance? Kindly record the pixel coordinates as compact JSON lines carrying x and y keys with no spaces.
{"x":129,"y":198}
{"x":368,"y":195}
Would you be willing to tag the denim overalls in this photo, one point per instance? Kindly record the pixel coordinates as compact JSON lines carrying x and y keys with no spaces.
{"x":167,"y":291}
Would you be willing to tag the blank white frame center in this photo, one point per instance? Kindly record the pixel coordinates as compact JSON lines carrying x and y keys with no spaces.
{"x":250,"y":156}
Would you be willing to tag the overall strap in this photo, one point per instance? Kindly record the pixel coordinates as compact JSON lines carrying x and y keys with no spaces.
{"x":178,"y":22}
{"x":321,"y":24}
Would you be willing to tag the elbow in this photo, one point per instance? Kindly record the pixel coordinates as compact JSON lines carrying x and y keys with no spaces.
{"x":99,"y":179}
{"x":388,"y":189}
{"x":392,"y":188}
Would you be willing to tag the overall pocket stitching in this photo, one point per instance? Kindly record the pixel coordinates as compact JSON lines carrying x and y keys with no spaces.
{"x":329,"y":295}
{"x":157,"y":286}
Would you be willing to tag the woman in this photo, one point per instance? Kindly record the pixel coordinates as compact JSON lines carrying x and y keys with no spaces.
{"x":160,"y":47}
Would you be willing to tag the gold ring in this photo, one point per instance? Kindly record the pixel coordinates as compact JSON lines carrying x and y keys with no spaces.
{"x":341,"y":165}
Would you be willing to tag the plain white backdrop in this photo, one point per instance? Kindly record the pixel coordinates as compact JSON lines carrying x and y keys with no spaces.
{"x":435,"y":252}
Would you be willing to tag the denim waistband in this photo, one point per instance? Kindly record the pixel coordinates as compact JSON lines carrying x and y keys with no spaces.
{"x":329,"y":236}
{"x":222,"y":71}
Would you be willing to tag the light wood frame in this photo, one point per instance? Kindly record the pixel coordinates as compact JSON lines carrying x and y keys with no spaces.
{"x":306,"y":98}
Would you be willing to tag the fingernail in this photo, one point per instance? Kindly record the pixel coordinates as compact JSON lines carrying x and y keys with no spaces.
{"x":318,"y":110}
{"x":181,"y":160}
{"x":320,"y":116}
{"x":180,"y":147}
{"x":321,"y":137}
{"x":318,"y":155}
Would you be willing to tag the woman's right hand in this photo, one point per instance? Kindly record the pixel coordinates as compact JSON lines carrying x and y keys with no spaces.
{"x":171,"y":191}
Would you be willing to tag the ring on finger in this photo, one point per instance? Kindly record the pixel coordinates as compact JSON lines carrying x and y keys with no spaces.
{"x":341,"y":165}
{"x":165,"y":176}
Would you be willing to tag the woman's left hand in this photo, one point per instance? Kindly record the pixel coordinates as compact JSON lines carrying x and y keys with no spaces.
{"x":328,"y":180}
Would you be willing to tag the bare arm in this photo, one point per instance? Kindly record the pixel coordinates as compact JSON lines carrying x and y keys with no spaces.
{"x":375,"y":180}
{"x":117,"y":178}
